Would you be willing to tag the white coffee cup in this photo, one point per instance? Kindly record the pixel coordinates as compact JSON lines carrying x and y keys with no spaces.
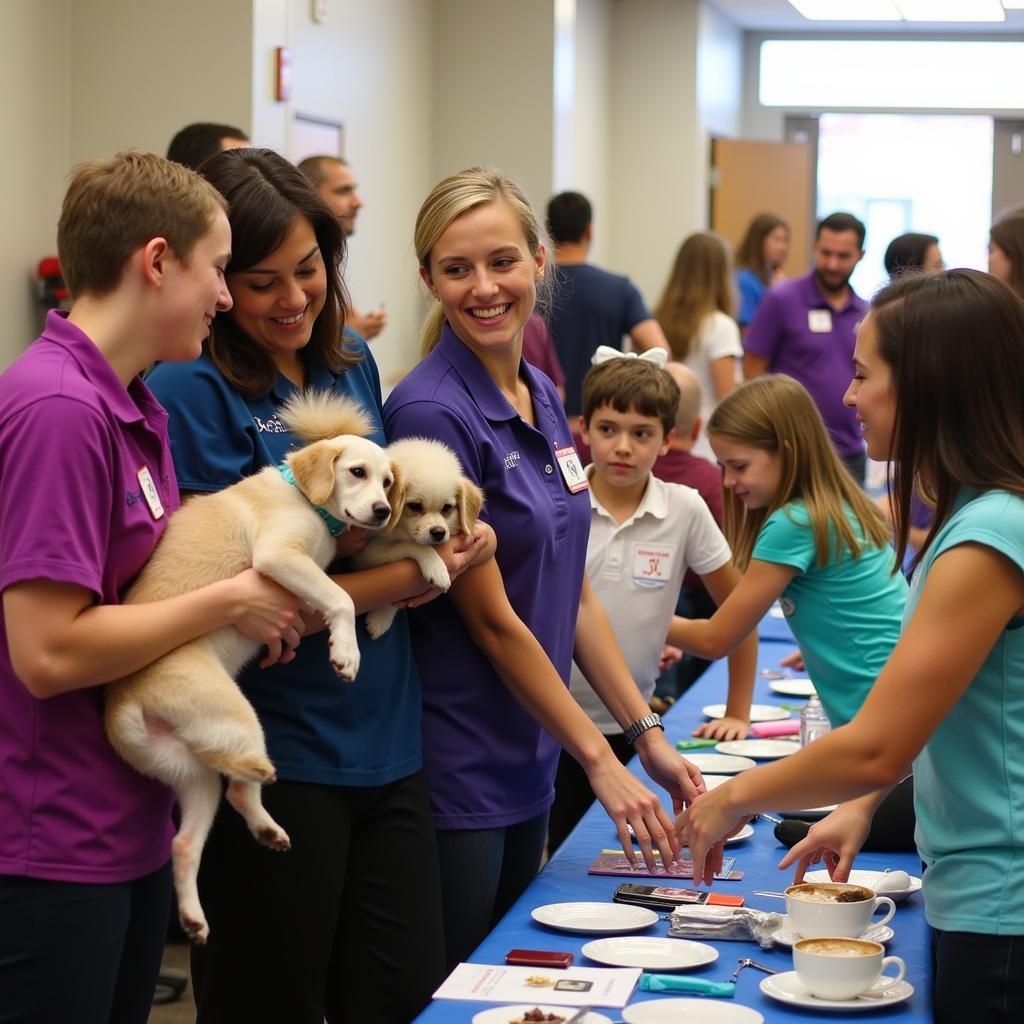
{"x":838,"y":967}
{"x":834,"y":908}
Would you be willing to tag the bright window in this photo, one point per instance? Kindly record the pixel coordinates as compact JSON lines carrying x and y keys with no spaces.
{"x":892,"y":73}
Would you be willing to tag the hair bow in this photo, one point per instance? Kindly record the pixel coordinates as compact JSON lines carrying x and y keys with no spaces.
{"x":658,"y":356}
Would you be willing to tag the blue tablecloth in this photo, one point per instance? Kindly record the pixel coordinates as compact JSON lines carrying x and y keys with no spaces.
{"x":565,"y":879}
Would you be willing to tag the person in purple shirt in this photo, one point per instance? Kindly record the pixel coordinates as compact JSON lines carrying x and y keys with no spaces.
{"x":494,"y":657}
{"x":86,"y":485}
{"x":806,"y":328}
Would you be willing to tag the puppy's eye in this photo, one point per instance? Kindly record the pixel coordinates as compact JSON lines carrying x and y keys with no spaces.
{"x":415,"y":506}
{"x":358,"y":471}
{"x":387,"y":482}
{"x":446,"y":508}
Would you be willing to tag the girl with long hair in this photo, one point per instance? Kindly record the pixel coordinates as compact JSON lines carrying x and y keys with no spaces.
{"x":759,"y":260}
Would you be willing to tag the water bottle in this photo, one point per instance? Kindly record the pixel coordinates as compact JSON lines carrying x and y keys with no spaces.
{"x":813,"y":721}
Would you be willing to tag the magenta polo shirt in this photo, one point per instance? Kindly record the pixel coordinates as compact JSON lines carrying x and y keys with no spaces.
{"x":488,"y":763}
{"x":799,"y":333}
{"x":72,"y":444}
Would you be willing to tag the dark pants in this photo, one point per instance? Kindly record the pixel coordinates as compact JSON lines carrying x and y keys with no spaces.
{"x":344,"y":926}
{"x":483,"y":872}
{"x":81,"y":953}
{"x":573,"y":795}
{"x":977,"y":978}
{"x":857,"y":464}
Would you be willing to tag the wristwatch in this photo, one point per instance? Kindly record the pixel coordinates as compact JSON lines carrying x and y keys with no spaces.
{"x":641,"y":725}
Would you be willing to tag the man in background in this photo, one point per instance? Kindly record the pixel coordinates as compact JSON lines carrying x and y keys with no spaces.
{"x":337,"y":184}
{"x":591,"y":306}
{"x":195,"y":142}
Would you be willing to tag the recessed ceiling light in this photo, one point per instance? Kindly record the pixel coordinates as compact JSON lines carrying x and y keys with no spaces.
{"x":951,"y":10}
{"x":847,"y":10}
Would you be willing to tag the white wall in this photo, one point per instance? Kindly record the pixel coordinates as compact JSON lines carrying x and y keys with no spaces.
{"x":34,"y":81}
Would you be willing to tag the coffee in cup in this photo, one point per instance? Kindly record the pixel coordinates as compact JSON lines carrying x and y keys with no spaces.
{"x":834,"y":908}
{"x":838,"y":967}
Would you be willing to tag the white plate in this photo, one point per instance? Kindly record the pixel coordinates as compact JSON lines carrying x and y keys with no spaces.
{"x":763,"y":749}
{"x":758,"y":712}
{"x":786,"y":988}
{"x":870,"y":879}
{"x":809,"y":813}
{"x":594,"y":918}
{"x":792,"y":687}
{"x":744,"y":833}
{"x":714,"y":781}
{"x":693,"y":1011}
{"x":776,"y":611}
{"x":504,"y":1014}
{"x":651,"y":954}
{"x":720,"y":764}
{"x":785,"y":936}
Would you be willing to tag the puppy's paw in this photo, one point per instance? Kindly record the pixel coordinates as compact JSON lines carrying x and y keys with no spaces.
{"x":434,"y":571}
{"x":193,"y":924}
{"x":345,"y":658}
{"x":378,"y":621}
{"x":273,"y":837}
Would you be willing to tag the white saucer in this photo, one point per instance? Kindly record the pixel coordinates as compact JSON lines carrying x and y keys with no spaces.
{"x":594,"y":918}
{"x":720,"y":764}
{"x":693,"y":1011}
{"x":714,"y":781}
{"x":762,"y":749}
{"x":801,"y":687}
{"x":758,"y":712}
{"x":504,"y":1014}
{"x":744,"y":833}
{"x":776,"y":611}
{"x":785,"y":936}
{"x":652,"y":954}
{"x":786,"y":988}
{"x":870,"y":879}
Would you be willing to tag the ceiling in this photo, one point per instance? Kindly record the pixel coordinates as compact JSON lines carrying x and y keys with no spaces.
{"x":774,"y":15}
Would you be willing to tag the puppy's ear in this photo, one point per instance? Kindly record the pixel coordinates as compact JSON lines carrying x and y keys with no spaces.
{"x":313,"y":467}
{"x":397,"y":494}
{"x":470,"y":500}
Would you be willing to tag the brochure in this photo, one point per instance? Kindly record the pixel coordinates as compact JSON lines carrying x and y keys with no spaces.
{"x":575,"y":986}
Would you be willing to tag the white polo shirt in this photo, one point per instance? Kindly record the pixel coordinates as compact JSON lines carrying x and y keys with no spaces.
{"x":636,"y":569}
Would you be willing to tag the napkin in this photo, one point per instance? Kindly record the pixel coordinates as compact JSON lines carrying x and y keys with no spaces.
{"x":742,"y":923}
{"x":699,"y":986}
{"x":787,"y":727}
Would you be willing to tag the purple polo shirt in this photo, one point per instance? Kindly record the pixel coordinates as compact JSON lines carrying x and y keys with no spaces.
{"x":488,"y":763}
{"x":821,"y":360}
{"x":72,"y":444}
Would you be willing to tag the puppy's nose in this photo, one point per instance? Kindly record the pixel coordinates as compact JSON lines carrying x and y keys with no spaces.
{"x":381,"y":510}
{"x":438,"y":534}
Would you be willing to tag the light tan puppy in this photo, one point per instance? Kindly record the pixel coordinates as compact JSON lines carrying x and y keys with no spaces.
{"x":183,"y":719}
{"x":431,"y":501}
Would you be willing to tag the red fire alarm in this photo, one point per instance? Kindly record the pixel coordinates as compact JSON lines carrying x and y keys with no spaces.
{"x":284,"y":74}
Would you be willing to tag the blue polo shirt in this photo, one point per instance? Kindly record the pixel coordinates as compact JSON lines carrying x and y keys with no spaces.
{"x":318,"y":729}
{"x":752,"y":290}
{"x":969,"y":779}
{"x":799,"y":333}
{"x":488,"y":763}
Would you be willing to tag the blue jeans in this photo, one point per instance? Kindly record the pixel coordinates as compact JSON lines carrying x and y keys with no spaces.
{"x":977,"y":978}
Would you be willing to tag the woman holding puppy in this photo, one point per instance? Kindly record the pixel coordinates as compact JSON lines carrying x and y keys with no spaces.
{"x":346,"y":924}
{"x":495,"y":659}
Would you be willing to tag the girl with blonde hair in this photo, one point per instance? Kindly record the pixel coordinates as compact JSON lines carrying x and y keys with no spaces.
{"x":495,"y":655}
{"x":695,"y":312}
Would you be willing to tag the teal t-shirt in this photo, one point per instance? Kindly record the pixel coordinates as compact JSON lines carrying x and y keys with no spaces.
{"x":845,"y":615}
{"x":969,"y":779}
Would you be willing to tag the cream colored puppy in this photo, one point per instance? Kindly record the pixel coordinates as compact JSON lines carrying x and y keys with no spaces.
{"x":431,"y":501}
{"x":183,"y":720}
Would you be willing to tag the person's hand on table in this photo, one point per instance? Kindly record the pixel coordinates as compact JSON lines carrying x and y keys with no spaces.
{"x":723,"y":729}
{"x":704,"y":826}
{"x":680,"y":778}
{"x":669,"y":656}
{"x":836,"y":840}
{"x":794,"y":661}
{"x":628,"y":801}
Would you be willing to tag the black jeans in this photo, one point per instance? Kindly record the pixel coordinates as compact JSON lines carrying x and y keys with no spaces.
{"x":82,"y":952}
{"x":345,"y":926}
{"x":977,"y":978}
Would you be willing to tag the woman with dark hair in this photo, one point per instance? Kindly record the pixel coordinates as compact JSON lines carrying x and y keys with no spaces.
{"x":939,"y":374}
{"x":913,"y":253}
{"x":1006,"y":251}
{"x":759,"y":260}
{"x":347,"y":924}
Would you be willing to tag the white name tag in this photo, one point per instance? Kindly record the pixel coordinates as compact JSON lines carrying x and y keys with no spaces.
{"x":149,"y":492}
{"x":652,"y":564}
{"x":819,"y":321}
{"x":572,"y":469}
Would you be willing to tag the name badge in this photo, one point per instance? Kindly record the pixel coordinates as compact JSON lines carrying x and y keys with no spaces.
{"x":149,"y":492}
{"x":652,"y":564}
{"x":572,"y":469}
{"x":819,"y":321}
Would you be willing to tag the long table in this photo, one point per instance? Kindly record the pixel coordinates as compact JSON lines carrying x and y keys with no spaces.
{"x":565,"y":879}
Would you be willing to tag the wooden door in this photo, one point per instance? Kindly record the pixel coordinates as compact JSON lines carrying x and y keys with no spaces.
{"x":748,"y":178}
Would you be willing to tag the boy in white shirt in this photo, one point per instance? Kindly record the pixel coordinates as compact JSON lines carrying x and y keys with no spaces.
{"x":644,"y":535}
